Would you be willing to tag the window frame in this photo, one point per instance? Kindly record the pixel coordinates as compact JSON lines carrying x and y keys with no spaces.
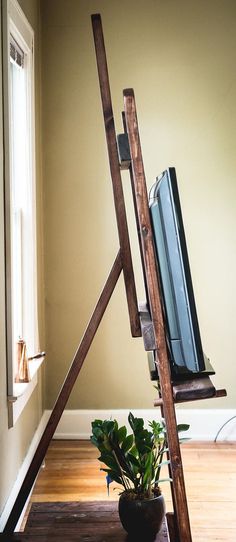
{"x":15,"y":23}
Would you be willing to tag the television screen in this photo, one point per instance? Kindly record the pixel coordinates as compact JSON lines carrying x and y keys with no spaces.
{"x":183,"y":335}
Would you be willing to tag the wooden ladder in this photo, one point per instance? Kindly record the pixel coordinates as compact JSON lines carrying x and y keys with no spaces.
{"x":146,"y":320}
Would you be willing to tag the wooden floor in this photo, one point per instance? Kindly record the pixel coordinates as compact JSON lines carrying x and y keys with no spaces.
{"x":78,"y":522}
{"x":71,"y":473}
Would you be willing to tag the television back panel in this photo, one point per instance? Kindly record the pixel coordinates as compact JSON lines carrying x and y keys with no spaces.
{"x":179,"y":305}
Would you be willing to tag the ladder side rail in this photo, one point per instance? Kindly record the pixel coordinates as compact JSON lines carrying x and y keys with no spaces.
{"x":136,"y":218}
{"x":116,"y":176}
{"x":64,"y":394}
{"x":179,"y":493}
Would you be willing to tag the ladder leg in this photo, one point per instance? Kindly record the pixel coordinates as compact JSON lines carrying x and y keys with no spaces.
{"x":140,"y":194}
{"x":64,"y":395}
{"x":181,"y":516}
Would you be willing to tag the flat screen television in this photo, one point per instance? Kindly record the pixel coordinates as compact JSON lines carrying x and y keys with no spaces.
{"x":183,"y":335}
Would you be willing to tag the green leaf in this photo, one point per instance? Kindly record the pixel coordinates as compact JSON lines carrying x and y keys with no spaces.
{"x":182,"y":427}
{"x":127,"y":443}
{"x":94,"y":441}
{"x":108,"y":426}
{"x":131,"y":420}
{"x":148,"y":469}
{"x":97,"y":432}
{"x":122,"y":432}
{"x":136,"y":424}
{"x":106,"y":443}
{"x":109,"y":460}
{"x":133,"y":459}
{"x":97,"y":423}
{"x":156,"y":427}
{"x":134,"y":451}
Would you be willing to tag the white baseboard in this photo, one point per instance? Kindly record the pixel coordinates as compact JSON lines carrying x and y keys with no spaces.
{"x":21,"y":475}
{"x":204,"y":423}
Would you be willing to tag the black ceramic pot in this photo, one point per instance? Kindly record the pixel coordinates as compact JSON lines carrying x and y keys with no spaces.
{"x":142,"y":518}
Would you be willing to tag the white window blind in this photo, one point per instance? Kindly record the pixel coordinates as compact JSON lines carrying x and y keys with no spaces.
{"x":16,"y":53}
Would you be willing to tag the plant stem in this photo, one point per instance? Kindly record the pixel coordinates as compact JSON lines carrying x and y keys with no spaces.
{"x":124,"y":480}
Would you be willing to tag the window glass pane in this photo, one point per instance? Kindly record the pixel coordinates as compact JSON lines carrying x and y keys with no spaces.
{"x":23,"y":238}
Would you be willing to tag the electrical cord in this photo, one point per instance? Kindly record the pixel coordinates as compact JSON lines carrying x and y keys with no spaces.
{"x":224,"y":424}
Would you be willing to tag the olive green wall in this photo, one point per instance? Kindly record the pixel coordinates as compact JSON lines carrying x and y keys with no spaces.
{"x":180,"y":59}
{"x":14,"y":443}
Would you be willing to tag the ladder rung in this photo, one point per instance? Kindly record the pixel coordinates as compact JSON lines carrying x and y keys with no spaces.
{"x":193,"y":390}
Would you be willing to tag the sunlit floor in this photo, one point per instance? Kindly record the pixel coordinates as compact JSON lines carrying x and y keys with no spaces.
{"x":71,"y":473}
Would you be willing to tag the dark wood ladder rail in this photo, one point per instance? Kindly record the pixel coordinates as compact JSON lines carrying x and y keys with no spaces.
{"x":182,"y":524}
{"x":64,"y":395}
{"x":146,"y":320}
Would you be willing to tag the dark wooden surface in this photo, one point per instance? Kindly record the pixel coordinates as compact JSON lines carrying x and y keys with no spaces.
{"x":147,"y":328}
{"x":116,"y":175}
{"x":76,"y":522}
{"x":200,"y":388}
{"x":136,"y":213}
{"x":151,"y":273}
{"x":193,"y":390}
{"x":64,"y":394}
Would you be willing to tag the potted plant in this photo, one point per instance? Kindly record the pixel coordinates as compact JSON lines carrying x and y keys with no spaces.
{"x":134,"y":461}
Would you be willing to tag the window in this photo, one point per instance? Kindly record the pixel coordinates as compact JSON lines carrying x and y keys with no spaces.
{"x":20,"y":199}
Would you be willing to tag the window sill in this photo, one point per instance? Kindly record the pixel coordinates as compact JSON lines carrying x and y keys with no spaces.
{"x":22,"y":392}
